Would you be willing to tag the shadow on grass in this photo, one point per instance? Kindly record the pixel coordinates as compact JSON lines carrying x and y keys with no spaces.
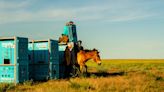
{"x":104,"y":74}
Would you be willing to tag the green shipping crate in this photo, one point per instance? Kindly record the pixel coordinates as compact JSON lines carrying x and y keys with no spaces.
{"x":13,"y":59}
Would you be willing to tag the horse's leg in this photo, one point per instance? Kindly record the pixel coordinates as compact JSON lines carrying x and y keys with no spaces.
{"x":81,"y":68}
{"x":86,"y":68}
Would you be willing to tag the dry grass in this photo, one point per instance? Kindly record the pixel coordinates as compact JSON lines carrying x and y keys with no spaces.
{"x":111,"y":76}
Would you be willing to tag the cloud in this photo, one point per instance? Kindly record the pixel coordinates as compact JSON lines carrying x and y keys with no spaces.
{"x":25,"y":16}
{"x":109,"y":13}
{"x":14,"y":5}
{"x":130,"y":16}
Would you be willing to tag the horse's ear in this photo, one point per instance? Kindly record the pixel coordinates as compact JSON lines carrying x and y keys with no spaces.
{"x":94,"y":49}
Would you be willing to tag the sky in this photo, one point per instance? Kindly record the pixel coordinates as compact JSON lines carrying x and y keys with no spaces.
{"x":119,"y":29}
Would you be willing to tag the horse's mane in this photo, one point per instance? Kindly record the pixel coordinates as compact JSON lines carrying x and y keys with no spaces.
{"x":88,"y":50}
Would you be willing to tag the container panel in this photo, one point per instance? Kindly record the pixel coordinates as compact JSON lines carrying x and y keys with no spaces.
{"x":58,"y":71}
{"x":14,"y":59}
{"x":7,"y":52}
{"x":62,"y":75}
{"x":62,"y":47}
{"x":6,"y":73}
{"x":44,"y":54}
{"x":54,"y":53}
{"x":30,"y":53}
{"x":22,"y":59}
{"x":41,"y":52}
{"x":41,"y":45}
{"x":72,"y":33}
{"x":30,"y":46}
{"x":55,"y":68}
{"x":22,"y":49}
{"x":61,"y":53}
{"x":23,"y":73}
{"x":62,"y":69}
{"x":41,"y":56}
{"x":61,"y":57}
{"x":41,"y":72}
{"x":31,"y":71}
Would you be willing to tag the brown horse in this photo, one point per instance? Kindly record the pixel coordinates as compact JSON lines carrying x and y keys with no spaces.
{"x":84,"y":55}
{"x":63,"y":39}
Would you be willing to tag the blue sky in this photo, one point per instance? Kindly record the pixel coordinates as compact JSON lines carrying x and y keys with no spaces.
{"x":117,"y":28}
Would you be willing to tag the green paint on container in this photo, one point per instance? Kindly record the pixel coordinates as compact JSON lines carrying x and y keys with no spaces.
{"x":43,"y":54}
{"x":13,"y":59}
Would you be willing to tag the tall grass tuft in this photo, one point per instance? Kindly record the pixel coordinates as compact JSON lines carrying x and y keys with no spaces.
{"x":159,"y":78}
{"x":28,"y":83}
{"x":6,"y":86}
{"x":81,"y":85}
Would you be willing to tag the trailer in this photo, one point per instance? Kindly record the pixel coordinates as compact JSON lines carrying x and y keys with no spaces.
{"x":38,"y":60}
{"x":44,"y":60}
{"x":14,"y":59}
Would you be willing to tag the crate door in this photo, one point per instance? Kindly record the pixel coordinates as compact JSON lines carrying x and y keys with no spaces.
{"x":54,"y":58}
{"x":41,"y":53}
{"x":23,"y":59}
{"x":7,"y":52}
{"x":7,"y":61}
{"x":54,"y":52}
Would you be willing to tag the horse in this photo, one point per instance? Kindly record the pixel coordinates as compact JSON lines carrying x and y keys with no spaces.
{"x":63,"y":39}
{"x":84,"y":55}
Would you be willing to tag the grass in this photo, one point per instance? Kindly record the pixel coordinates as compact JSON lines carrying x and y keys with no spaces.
{"x":112,"y":76}
{"x":5,"y":86}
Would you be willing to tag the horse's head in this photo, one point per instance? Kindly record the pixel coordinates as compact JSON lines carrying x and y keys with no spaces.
{"x":63,"y":39}
{"x":96,"y":57}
